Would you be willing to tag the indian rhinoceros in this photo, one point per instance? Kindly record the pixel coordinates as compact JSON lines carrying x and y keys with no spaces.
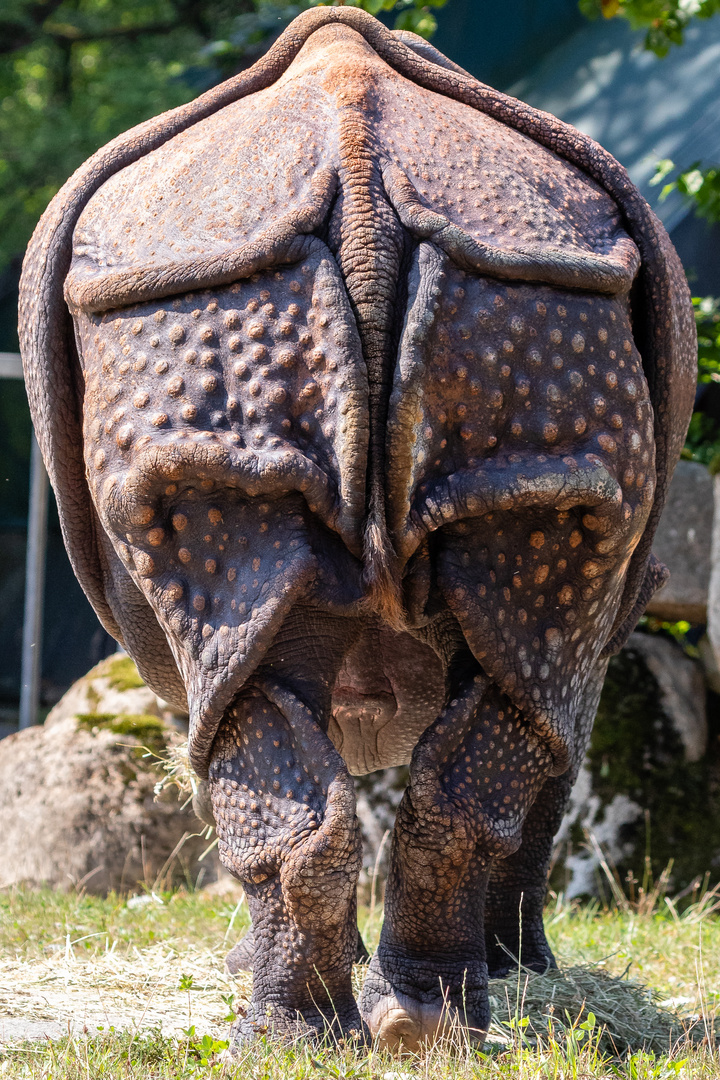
{"x":360,"y":385}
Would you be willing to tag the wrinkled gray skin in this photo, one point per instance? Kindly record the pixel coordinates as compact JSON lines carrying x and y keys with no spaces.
{"x":360,"y":385}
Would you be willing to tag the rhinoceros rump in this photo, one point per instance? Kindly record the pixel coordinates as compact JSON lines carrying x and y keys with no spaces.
{"x":360,"y":385}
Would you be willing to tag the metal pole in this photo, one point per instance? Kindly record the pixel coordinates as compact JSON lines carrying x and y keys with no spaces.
{"x":34,"y":589}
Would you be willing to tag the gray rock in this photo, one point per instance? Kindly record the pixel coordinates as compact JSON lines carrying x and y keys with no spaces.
{"x":681,"y":684}
{"x":605,"y":822}
{"x":77,"y":798}
{"x":683,"y":542}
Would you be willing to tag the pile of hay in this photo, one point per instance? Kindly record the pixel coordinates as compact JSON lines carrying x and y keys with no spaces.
{"x":624,"y":1009}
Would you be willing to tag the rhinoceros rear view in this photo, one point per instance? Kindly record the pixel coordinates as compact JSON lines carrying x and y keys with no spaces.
{"x":360,"y":385}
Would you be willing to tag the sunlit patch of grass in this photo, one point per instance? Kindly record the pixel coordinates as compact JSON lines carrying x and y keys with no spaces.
{"x":31,"y":921}
{"x":157,"y":965}
{"x":149,"y":1055}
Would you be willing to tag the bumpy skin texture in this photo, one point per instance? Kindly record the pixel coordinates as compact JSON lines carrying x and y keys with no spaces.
{"x":361,"y":385}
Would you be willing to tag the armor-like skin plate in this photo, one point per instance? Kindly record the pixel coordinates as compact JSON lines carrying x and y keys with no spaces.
{"x":361,"y":386}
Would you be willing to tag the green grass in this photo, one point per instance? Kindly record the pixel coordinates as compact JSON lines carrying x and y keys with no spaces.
{"x":161,"y":964}
{"x":33,"y":921}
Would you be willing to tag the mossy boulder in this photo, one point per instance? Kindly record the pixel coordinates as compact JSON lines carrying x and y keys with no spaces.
{"x":77,"y":795}
{"x":112,"y":688}
{"x":149,"y":730}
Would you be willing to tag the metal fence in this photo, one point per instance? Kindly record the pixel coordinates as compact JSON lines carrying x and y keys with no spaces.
{"x":11,"y":368}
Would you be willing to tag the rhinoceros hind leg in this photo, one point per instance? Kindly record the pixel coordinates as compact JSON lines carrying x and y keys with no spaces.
{"x":241,"y":956}
{"x":285,"y":811}
{"x":474,"y":773}
{"x":514,"y":930}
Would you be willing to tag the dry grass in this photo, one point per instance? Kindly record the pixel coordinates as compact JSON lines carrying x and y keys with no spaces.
{"x":120,"y":989}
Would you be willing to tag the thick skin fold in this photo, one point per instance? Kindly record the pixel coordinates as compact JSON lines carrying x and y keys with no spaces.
{"x":225,"y":435}
{"x":520,"y":439}
{"x":662,"y":318}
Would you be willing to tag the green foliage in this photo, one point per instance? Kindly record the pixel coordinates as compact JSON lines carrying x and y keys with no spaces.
{"x":231,"y":1014}
{"x":75,"y":73}
{"x":701,"y":186}
{"x":707,"y":317}
{"x":205,"y":1049}
{"x":678,"y":630}
{"x":644,"y":1066}
{"x":73,"y":81}
{"x":414,"y":15}
{"x":703,"y":438}
{"x":664,"y":20}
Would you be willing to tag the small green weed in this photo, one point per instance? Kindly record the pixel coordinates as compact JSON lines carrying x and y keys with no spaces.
{"x":204,"y":1048}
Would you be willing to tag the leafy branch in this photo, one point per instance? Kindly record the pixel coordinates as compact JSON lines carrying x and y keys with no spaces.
{"x":75,"y":73}
{"x":665,"y":21}
{"x":700,"y":185}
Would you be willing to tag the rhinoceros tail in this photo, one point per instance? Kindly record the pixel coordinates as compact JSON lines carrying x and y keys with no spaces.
{"x":382,"y":573}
